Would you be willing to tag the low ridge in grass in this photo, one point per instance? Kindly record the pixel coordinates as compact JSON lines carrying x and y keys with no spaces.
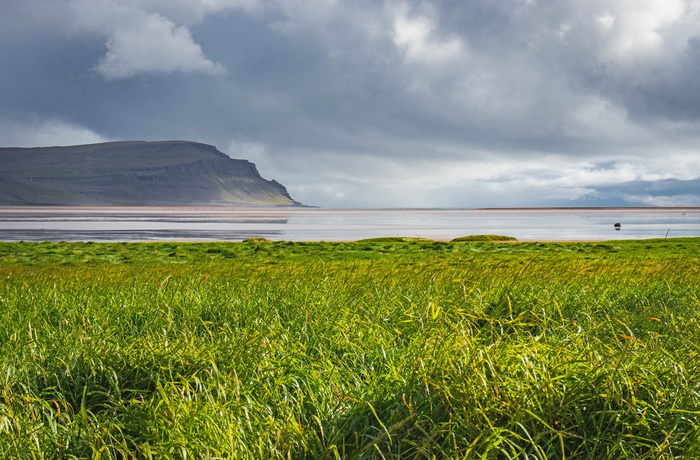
{"x":350,"y":350}
{"x":484,"y":238}
{"x":396,"y":239}
{"x":257,"y":240}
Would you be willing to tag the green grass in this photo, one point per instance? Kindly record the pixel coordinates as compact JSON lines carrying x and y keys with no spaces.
{"x":487,"y":237}
{"x":372,"y":349}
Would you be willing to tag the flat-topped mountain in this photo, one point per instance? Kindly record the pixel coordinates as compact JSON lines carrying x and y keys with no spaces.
{"x":133,"y":173}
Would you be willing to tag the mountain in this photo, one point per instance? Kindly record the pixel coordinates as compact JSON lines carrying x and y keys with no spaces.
{"x":598,"y":200}
{"x":133,"y":173}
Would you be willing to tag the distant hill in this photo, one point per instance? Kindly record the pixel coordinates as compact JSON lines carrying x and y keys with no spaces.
{"x":133,"y":173}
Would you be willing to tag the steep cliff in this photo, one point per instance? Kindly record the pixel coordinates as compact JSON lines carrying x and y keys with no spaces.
{"x":133,"y":173}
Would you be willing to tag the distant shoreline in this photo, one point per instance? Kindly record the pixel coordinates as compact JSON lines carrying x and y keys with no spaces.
{"x":306,"y":208}
{"x":602,"y":208}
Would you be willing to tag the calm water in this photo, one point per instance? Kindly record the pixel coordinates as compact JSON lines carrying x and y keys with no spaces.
{"x":304,"y":224}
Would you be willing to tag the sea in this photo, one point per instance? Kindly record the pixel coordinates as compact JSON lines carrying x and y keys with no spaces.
{"x":132,"y":224}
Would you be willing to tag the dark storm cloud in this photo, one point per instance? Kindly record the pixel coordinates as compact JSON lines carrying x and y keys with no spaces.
{"x":426,"y":103}
{"x":668,"y":192}
{"x":672,"y":92}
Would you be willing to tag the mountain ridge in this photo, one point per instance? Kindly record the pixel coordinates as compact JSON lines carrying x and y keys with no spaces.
{"x":133,"y":173}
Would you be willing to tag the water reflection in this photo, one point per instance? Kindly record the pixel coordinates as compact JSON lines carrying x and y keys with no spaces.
{"x":301,"y":224}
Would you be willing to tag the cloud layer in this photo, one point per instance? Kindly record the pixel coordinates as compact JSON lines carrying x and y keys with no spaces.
{"x":391,"y":103}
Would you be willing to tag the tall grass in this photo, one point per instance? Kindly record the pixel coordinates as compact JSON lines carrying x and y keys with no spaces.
{"x":354,"y":350}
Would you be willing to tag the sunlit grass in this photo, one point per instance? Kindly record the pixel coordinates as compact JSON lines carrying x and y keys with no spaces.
{"x":373,"y":349}
{"x":487,"y":237}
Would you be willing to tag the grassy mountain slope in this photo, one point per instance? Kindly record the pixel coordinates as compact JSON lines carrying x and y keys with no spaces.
{"x":133,"y":173}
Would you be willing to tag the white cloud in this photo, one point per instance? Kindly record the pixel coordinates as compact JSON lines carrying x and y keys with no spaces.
{"x":141,"y":37}
{"x":46,"y":133}
{"x":153,"y":44}
{"x":634,"y":29}
{"x":415,"y":36}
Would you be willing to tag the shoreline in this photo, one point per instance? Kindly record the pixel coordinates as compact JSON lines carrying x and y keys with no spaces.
{"x":315,"y":208}
{"x":217,"y":223}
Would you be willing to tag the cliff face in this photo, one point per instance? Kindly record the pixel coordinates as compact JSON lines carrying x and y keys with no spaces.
{"x":133,"y":173}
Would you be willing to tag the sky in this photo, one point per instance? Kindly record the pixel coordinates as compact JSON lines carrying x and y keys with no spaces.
{"x":371,"y":103}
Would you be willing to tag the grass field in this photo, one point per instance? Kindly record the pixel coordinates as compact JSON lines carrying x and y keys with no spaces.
{"x":372,"y":349}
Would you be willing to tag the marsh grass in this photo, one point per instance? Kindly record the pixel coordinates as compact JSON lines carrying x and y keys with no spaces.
{"x":372,"y":349}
